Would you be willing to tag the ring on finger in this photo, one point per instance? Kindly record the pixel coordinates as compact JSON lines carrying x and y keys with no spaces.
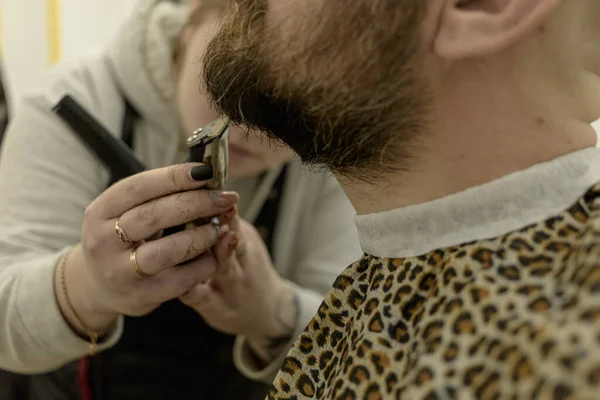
{"x":135,"y":265}
{"x":122,"y":235}
{"x":216,"y":223}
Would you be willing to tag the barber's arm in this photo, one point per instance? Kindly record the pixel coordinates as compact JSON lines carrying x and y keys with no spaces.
{"x":47,"y":179}
{"x":248,"y":298}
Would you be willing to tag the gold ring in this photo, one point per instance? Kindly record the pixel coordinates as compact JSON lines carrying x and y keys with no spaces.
{"x":135,"y":265}
{"x":122,"y":235}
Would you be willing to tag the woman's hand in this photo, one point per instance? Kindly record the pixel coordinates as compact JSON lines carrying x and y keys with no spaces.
{"x":100,"y":274}
{"x":246,"y":295}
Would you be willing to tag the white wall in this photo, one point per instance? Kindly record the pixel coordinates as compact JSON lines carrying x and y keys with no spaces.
{"x":27,"y":35}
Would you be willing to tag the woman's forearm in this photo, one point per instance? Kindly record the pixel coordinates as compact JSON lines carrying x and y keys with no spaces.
{"x":34,"y":336}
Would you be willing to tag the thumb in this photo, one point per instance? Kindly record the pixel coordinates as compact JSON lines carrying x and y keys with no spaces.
{"x":200,"y":295}
{"x":226,"y":255}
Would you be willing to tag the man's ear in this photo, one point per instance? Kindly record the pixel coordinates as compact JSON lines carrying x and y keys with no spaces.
{"x":476,"y":28}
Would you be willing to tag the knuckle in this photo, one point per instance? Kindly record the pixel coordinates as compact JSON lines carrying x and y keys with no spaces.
{"x":149,"y":217}
{"x":177,"y":175}
{"x":92,"y":246}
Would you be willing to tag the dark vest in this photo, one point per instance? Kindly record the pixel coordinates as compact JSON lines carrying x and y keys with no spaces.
{"x":170,"y":354}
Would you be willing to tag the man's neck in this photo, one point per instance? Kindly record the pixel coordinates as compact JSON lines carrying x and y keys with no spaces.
{"x":475,"y":142}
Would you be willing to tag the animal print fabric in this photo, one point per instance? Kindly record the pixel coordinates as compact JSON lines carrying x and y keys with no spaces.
{"x":511,"y":317}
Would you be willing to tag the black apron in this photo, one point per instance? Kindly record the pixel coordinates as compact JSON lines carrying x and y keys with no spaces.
{"x":170,"y":354}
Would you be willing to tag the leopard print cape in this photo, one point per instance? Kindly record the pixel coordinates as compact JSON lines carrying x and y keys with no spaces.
{"x":512,"y":317}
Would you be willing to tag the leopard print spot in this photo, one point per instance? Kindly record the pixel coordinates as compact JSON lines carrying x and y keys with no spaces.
{"x":335,"y":337}
{"x":527,"y":290}
{"x":391,"y":381}
{"x":305,"y":344}
{"x":395,"y":264}
{"x":540,"y":271}
{"x":428,"y":282}
{"x":540,"y":304}
{"x":449,"y":275}
{"x":523,"y":369}
{"x":291,"y":365}
{"x":399,"y":332}
{"x":472,"y":373}
{"x":424,"y":376}
{"x":359,"y":374}
{"x":376,"y":282}
{"x":376,"y":324}
{"x":458,"y":287}
{"x":451,"y":352}
{"x":342,"y":282}
{"x":451,"y":392}
{"x":373,"y":392}
{"x":464,"y":324}
{"x":489,"y":388}
{"x":535,"y":261}
{"x":479,"y":294}
{"x":578,"y":212}
{"x":453,"y":305}
{"x":413,"y":305}
{"x":339,"y":319}
{"x":388,"y":284}
{"x":510,"y":272}
{"x":437,"y":305}
{"x":483,"y":256}
{"x":401,"y":292}
{"x":284,"y":385}
{"x":383,"y":342}
{"x":354,"y":299}
{"x":399,"y":356}
{"x":593,"y":376}
{"x":325,"y":359}
{"x":366,"y":347}
{"x":547,"y":348}
{"x":592,"y":280}
{"x":371,"y":306}
{"x":558,"y":247}
{"x":347,"y":395}
{"x":489,"y":312}
{"x":431,"y":396}
{"x":474,"y":349}
{"x":562,"y":392}
{"x":416,"y":271}
{"x":540,"y":237}
{"x":520,"y":245}
{"x":381,"y":361}
{"x":311,"y":360}
{"x":305,"y":386}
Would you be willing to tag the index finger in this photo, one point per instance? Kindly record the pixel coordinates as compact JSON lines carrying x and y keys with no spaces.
{"x":148,"y":185}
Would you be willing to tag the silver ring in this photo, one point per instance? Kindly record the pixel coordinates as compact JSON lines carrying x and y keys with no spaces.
{"x":216,"y":223}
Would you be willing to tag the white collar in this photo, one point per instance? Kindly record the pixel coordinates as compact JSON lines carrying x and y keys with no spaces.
{"x":501,"y":206}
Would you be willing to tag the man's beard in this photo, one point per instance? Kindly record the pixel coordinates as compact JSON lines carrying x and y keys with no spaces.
{"x":340,"y":87}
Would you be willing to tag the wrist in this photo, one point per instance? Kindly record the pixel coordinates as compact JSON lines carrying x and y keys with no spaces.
{"x":284,"y":312}
{"x":85,"y":313}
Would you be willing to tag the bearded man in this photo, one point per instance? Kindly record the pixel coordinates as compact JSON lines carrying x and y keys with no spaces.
{"x":460,"y":130}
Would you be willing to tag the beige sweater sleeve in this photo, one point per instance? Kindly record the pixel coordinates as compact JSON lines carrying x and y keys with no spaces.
{"x":47,"y":179}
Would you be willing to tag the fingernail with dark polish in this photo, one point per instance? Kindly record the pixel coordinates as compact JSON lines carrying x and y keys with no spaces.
{"x":202,"y":173}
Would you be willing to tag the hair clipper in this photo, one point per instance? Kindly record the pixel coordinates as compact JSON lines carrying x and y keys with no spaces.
{"x":209,"y":145}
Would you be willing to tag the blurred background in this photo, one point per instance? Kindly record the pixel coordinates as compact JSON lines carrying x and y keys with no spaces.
{"x":36,"y":34}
